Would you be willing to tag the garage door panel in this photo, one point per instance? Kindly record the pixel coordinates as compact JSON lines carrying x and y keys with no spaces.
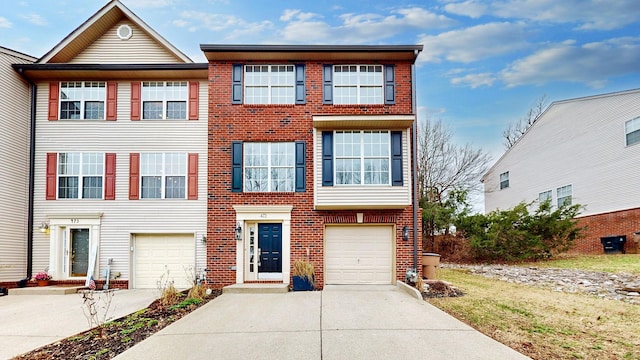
{"x":157,"y":254}
{"x":359,"y":254}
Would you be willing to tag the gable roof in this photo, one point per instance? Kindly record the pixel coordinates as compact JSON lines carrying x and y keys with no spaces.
{"x":17,"y":54}
{"x":92,"y":29}
{"x":542,"y":116}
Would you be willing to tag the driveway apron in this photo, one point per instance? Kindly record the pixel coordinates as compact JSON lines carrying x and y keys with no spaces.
{"x":340,"y":322}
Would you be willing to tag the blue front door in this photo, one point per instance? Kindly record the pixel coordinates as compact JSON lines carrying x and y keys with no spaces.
{"x":270,"y":244}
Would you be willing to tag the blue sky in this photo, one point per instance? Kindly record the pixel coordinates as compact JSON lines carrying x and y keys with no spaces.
{"x":484,"y":63}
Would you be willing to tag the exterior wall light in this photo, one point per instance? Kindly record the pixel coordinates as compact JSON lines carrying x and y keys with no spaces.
{"x":44,"y":228}
{"x":405,"y":233}
{"x":238,"y":231}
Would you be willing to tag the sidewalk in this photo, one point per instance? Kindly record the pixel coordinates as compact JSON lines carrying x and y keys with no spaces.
{"x":340,"y":322}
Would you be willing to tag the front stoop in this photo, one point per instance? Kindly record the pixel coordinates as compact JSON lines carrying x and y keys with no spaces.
{"x":46,"y":290}
{"x":255,"y":288}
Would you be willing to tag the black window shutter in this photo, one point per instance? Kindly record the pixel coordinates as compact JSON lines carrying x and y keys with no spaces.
{"x":396,"y":158}
{"x":236,"y":87}
{"x":327,"y":84}
{"x":301,"y":173}
{"x":300,"y":88}
{"x":389,"y":85}
{"x":236,"y":166}
{"x":327,"y":158}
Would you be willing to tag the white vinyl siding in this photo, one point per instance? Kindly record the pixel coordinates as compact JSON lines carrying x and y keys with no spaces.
{"x":110,"y":49}
{"x":594,"y":159}
{"x":361,"y":196}
{"x":121,"y":217}
{"x":14,"y":159}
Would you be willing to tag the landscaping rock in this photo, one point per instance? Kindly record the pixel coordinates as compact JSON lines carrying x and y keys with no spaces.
{"x":621,"y":286}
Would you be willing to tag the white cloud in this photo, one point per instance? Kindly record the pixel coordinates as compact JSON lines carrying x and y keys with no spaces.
{"x":35,"y":19}
{"x":473,"y":43}
{"x":233,"y":26}
{"x":4,"y":23}
{"x":475,"y":80}
{"x":586,"y":14}
{"x":357,"y":28}
{"x":472,"y":8}
{"x":149,"y":3}
{"x":591,"y":63}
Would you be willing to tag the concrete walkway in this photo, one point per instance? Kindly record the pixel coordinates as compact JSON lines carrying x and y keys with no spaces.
{"x":28,"y":322}
{"x":340,"y":322}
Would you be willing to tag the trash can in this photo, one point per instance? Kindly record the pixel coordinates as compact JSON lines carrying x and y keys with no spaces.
{"x":430,"y":262}
{"x":613,"y":244}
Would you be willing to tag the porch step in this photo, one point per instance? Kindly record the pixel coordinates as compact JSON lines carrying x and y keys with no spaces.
{"x":46,"y":290}
{"x":255,"y":288}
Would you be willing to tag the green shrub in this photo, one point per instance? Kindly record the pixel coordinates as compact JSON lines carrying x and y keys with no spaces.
{"x":517,"y":234}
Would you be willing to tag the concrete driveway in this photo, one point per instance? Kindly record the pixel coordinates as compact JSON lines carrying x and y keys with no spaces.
{"x":28,"y":322}
{"x":340,"y":322}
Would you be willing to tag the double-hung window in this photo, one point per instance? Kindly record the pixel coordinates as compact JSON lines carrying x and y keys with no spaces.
{"x":163,"y":175}
{"x":164,"y":100}
{"x":80,"y":175}
{"x":82,"y":100}
{"x":545,"y":196}
{"x":269,"y":84}
{"x":357,"y":84}
{"x":632,"y":131}
{"x":564,"y":195}
{"x":269,"y":167}
{"x":362,"y":157}
{"x":504,"y":180}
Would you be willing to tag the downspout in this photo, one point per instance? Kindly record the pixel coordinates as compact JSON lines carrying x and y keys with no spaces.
{"x":32,"y":155}
{"x":414,"y":181}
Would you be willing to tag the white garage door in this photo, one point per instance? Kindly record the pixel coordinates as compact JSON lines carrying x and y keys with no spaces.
{"x":358,"y":255}
{"x":155,"y":254}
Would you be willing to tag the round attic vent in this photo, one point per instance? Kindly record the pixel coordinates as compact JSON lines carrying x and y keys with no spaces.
{"x":124,"y":32}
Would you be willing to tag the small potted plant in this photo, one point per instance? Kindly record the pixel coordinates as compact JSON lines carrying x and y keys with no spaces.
{"x":303,"y":279}
{"x":43,"y":278}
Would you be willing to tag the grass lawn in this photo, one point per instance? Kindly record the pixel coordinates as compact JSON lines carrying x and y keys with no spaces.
{"x":629,"y":263}
{"x":544,"y":324}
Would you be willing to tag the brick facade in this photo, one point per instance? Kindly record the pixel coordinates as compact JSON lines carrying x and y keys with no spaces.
{"x":624,"y":222}
{"x":274,"y":123}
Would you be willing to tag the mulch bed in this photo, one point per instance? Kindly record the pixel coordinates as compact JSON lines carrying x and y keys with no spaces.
{"x":439,"y":289}
{"x":117,"y":335}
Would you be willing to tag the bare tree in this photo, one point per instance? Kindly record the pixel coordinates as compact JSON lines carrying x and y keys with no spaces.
{"x":444,"y":166}
{"x":515,"y":130}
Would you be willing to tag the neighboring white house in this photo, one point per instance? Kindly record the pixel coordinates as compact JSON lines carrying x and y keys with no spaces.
{"x":15,"y":98}
{"x":584,"y":151}
{"x":121,"y":156}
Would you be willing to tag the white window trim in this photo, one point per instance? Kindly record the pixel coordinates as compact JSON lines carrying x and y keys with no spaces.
{"x":570,"y":196}
{"x":635,"y":123}
{"x":270,"y":86}
{"x":163,"y":175}
{"x":504,"y":180}
{"x":362,"y":159}
{"x":82,"y":99}
{"x":358,"y":85}
{"x":80,"y":175}
{"x":165,"y":99}
{"x":269,"y":167}
{"x":549,"y":197}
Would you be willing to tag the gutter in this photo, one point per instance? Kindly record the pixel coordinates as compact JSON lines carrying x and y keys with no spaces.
{"x":32,"y":155}
{"x":414,"y":182}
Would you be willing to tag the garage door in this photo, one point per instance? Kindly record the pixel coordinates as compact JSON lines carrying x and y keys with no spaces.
{"x":156,"y":253}
{"x":358,"y":255}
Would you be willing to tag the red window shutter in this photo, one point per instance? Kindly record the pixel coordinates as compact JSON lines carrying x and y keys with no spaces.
{"x":194,"y":88}
{"x":136,"y":91}
{"x":52,"y":169}
{"x":134,"y":176}
{"x":112,"y":95}
{"x":110,"y":176}
{"x":192,"y":177}
{"x":54,"y":92}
